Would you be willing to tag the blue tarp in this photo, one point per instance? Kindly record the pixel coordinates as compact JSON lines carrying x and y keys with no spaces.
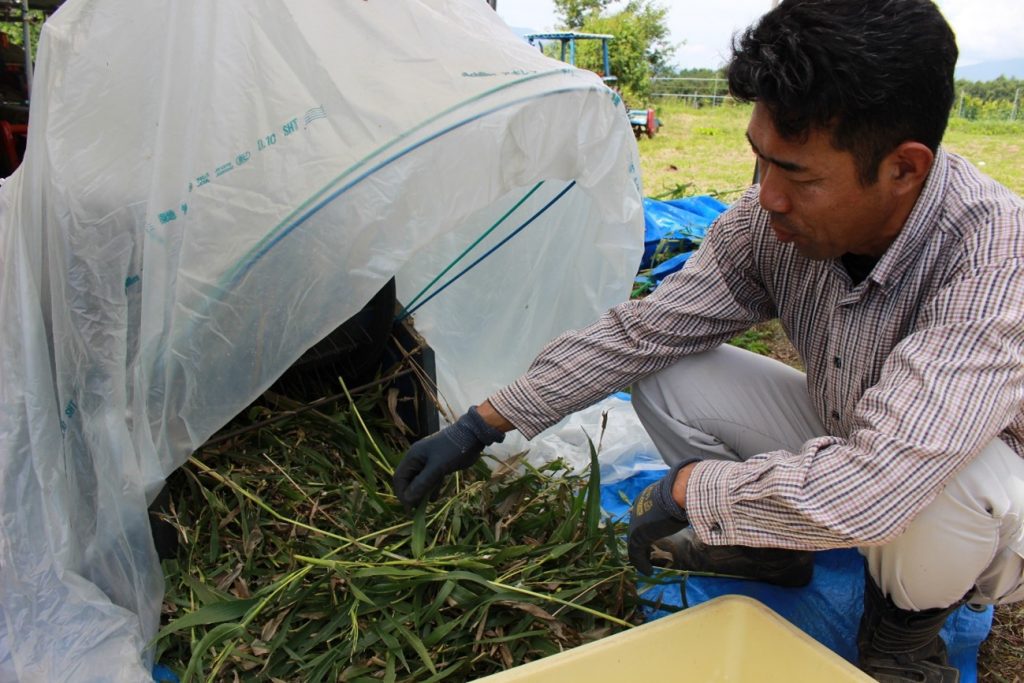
{"x":828,"y":609}
{"x":673,"y":229}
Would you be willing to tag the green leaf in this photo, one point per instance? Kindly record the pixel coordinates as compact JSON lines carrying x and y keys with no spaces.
{"x":206,"y":593}
{"x":360,"y":595}
{"x":446,"y":627}
{"x":214,"y":613}
{"x":419,"y":530}
{"x":365,"y":465}
{"x":216,"y":635}
{"x":593,"y":508}
{"x":417,"y":645}
{"x":441,"y":675}
{"x":394,"y":647}
{"x":559,"y":550}
{"x":389,"y":669}
{"x":442,"y":595}
{"x":612,"y":541}
{"x":397,"y":572}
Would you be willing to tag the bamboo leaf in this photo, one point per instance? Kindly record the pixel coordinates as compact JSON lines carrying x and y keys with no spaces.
{"x":513,"y":637}
{"x":442,"y":595}
{"x":419,"y":530}
{"x":360,"y":595}
{"x":417,"y":645}
{"x":392,"y":641}
{"x":593,"y":513}
{"x":441,"y":675}
{"x":205,"y":592}
{"x":218,"y":634}
{"x":319,"y":668}
{"x":389,"y":669}
{"x":529,"y":608}
{"x":214,"y":613}
{"x":393,"y":572}
{"x":439,"y":633}
{"x":560,"y":549}
{"x":612,"y":541}
{"x":354,"y":620}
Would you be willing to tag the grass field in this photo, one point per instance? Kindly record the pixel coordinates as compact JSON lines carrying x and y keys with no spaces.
{"x":704,"y":151}
{"x":698,"y":151}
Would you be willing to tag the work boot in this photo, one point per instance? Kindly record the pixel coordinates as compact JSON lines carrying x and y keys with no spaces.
{"x":684,"y":551}
{"x":901,"y":646}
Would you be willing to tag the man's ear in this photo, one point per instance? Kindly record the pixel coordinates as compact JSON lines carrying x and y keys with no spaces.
{"x":907,"y":167}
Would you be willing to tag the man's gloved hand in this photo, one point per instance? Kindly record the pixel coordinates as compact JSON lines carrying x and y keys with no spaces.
{"x":430,"y":460}
{"x":653,"y":516}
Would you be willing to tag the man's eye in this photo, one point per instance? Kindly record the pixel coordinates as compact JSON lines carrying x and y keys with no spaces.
{"x":806,"y":182}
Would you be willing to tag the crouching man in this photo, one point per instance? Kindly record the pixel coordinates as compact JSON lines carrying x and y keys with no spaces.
{"x":897,"y":271}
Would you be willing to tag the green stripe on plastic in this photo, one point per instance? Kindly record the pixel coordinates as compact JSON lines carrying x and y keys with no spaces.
{"x":405,"y":309}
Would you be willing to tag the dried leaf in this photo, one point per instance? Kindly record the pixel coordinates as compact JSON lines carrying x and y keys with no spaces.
{"x":529,"y":608}
{"x":269,"y":629}
{"x":241,"y":589}
{"x":229,"y":578}
{"x":506,"y":656}
{"x":392,"y":404}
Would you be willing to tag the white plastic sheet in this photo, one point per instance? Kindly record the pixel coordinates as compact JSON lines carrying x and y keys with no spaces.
{"x":209,"y":188}
{"x":612,"y":426}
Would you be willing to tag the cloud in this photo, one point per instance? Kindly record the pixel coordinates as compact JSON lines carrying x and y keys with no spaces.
{"x":986,"y":30}
{"x":708,"y":32}
{"x":538,"y":15}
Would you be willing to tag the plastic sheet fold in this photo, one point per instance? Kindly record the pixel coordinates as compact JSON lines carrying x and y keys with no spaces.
{"x":209,"y":188}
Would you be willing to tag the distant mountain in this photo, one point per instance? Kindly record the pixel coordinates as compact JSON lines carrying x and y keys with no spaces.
{"x":988,"y":71}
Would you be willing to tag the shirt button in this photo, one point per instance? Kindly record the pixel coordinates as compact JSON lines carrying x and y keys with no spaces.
{"x":716,"y":528}
{"x":838,"y":362}
{"x":835,"y":414}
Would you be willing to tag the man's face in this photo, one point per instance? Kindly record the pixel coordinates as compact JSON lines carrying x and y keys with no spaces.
{"x":815,"y":197}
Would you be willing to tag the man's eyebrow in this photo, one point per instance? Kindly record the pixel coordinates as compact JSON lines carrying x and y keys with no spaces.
{"x":784,"y":165}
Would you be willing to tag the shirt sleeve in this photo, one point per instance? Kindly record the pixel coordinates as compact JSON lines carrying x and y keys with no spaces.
{"x":715,"y":296}
{"x":946,"y":390}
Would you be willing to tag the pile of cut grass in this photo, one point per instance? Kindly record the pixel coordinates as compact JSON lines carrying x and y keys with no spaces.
{"x":296,"y":562}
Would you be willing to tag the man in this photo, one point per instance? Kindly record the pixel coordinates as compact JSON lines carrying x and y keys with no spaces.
{"x":897,"y":270}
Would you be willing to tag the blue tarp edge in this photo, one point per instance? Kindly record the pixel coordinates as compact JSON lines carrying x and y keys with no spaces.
{"x":828,"y":609}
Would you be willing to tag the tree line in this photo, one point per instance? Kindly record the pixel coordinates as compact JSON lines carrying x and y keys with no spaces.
{"x":641,"y":46}
{"x":1000,"y":98}
{"x":642,"y":51}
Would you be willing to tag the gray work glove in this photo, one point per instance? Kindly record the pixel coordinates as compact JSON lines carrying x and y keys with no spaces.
{"x":653,"y":516}
{"x":428,"y":461}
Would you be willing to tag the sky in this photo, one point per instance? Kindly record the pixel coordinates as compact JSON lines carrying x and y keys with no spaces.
{"x":986,"y":30}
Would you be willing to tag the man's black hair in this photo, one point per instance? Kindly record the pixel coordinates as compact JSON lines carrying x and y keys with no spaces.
{"x":876,"y":73}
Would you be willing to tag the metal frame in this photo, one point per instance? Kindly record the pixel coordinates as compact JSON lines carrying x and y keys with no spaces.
{"x":17,"y":10}
{"x":568,"y":40}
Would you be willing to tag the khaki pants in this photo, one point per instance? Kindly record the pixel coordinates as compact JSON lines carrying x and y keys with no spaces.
{"x":731,"y":404}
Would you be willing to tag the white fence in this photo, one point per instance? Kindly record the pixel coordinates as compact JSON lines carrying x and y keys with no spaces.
{"x":696,"y":91}
{"x":714,"y":91}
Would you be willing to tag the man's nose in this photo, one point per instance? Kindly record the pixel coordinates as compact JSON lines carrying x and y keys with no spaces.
{"x":772,"y":196}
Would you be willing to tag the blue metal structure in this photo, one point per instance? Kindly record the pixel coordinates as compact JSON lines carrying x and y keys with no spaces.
{"x":643,"y":121}
{"x":568,"y":41}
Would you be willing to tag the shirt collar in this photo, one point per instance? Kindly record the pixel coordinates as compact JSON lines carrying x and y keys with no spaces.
{"x":918,"y":228}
